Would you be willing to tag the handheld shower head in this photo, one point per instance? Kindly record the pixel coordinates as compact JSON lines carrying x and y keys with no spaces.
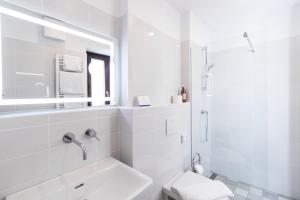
{"x":210,"y":67}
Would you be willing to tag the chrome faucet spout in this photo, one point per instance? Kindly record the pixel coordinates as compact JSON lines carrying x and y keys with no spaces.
{"x":70,"y":138}
{"x":84,"y":152}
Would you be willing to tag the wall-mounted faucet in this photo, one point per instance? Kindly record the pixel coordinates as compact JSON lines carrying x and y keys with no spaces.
{"x":92,"y":133}
{"x":70,"y":138}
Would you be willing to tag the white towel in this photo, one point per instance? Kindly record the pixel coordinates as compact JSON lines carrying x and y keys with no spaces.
{"x":211,"y":190}
{"x":71,"y":83}
{"x":72,"y":64}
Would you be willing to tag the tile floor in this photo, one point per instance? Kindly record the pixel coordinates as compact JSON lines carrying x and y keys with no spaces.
{"x":243,"y":191}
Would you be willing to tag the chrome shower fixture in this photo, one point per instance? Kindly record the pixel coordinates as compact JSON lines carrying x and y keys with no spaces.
{"x":245,"y":35}
{"x":210,"y":67}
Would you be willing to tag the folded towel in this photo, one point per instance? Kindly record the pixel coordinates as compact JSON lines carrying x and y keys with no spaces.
{"x":72,"y":64}
{"x":71,"y":83}
{"x":210,"y":190}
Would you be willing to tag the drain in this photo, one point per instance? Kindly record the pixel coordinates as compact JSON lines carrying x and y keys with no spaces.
{"x":79,"y":186}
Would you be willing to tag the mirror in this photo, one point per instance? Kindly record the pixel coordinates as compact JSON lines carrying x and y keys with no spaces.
{"x":47,"y":64}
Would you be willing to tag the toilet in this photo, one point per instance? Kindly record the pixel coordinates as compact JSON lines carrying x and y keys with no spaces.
{"x":170,"y":190}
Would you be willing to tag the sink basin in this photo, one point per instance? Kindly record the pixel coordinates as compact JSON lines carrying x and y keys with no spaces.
{"x":108,"y":179}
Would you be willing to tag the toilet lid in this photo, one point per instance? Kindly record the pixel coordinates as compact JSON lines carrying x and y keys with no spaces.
{"x":187,"y":179}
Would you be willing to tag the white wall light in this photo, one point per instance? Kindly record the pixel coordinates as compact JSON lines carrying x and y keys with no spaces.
{"x":151,"y":34}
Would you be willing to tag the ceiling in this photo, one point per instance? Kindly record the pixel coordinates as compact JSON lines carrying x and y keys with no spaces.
{"x":236,"y":15}
{"x":201,"y":5}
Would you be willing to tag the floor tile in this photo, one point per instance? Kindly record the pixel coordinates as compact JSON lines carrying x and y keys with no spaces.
{"x":256,"y":191}
{"x":265,"y":198}
{"x":254,"y":197}
{"x":231,"y":187}
{"x":231,"y":182}
{"x":238,"y":197}
{"x":283,"y":198}
{"x":242,"y":192}
{"x":270,"y":196}
{"x":221,"y":178}
{"x":243,"y":186}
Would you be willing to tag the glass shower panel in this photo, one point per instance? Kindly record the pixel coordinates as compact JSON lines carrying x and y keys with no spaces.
{"x":237,"y":123}
{"x":253,"y":114}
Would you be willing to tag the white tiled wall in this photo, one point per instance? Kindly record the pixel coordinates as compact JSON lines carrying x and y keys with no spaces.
{"x":147,"y":147}
{"x":32,"y":151}
{"x":154,"y":63}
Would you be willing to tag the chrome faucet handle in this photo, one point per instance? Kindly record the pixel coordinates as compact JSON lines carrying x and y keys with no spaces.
{"x":92,"y":133}
{"x":69,"y":138}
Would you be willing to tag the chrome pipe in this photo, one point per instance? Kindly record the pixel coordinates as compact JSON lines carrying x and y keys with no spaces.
{"x":205,"y":112}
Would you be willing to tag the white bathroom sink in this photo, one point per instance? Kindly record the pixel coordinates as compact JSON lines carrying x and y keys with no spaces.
{"x":108,"y":179}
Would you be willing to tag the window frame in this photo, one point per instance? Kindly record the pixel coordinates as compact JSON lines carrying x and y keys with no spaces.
{"x":106,"y":59}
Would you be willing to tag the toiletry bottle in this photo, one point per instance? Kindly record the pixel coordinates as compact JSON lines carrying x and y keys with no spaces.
{"x":183,"y":94}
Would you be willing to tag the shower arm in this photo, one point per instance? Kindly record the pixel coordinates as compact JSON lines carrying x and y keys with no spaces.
{"x":249,"y":41}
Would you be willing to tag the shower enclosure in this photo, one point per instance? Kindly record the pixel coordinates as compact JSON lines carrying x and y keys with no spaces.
{"x":246,"y":111}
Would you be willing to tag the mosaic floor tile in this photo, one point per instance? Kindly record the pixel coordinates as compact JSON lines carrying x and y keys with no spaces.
{"x":241,"y":192}
{"x":265,"y":198}
{"x":270,"y":196}
{"x":238,"y":197}
{"x":282,"y":198}
{"x":243,"y":186}
{"x":254,"y":197}
{"x":221,"y":178}
{"x":256,"y":191}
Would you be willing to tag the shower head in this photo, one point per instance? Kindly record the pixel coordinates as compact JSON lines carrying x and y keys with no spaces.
{"x":245,"y":35}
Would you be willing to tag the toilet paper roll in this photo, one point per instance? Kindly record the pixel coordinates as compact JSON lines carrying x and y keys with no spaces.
{"x":198,"y":169}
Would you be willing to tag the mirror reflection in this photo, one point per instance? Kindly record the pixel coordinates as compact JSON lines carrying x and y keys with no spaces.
{"x":41,"y":62}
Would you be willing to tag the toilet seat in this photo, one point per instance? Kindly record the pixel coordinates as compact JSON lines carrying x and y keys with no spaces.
{"x":183,"y":179}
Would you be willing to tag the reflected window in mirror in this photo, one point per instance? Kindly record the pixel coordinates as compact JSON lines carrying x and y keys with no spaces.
{"x":98,"y":78}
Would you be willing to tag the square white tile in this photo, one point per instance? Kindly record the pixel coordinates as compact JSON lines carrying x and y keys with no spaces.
{"x":241,"y":192}
{"x":256,"y":191}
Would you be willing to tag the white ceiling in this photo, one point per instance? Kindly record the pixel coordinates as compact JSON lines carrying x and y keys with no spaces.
{"x":111,"y":7}
{"x":202,"y":5}
{"x":221,"y":15}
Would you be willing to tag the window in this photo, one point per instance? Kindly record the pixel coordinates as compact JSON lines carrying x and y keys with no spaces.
{"x":98,"y":78}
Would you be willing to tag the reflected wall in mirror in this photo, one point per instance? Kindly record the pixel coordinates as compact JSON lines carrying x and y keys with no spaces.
{"x":46,"y":67}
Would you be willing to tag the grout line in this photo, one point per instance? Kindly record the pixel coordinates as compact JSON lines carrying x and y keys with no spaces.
{"x":49,"y":146}
{"x":24,"y":156}
{"x":21,"y":128}
{"x":70,"y":121}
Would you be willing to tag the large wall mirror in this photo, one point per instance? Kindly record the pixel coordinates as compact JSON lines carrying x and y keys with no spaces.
{"x":48,"y":64}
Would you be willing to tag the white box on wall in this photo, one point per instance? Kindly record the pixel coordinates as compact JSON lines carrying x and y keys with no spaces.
{"x":52,"y":33}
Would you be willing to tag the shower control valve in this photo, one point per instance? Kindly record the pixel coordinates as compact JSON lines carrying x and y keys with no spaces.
{"x":92,"y":133}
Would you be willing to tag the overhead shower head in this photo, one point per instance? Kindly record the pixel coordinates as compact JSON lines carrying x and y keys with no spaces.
{"x":245,"y":35}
